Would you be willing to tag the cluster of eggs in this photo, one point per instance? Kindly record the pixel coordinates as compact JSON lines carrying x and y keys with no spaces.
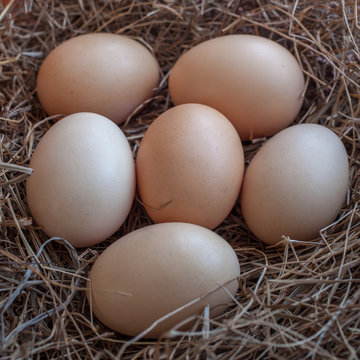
{"x":189,"y":169}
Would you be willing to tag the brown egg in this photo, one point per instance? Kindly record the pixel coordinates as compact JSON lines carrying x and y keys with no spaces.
{"x":156,"y":270}
{"x":103,"y":73}
{"x":255,"y":82}
{"x":190,"y":166}
{"x":296,"y":184}
{"x":83,"y":183}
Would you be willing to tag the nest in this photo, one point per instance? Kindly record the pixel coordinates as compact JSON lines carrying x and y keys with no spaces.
{"x":294,"y":302}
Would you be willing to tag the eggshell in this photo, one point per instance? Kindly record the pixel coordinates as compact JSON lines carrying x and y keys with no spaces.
{"x":190,"y":166}
{"x":296,"y":184}
{"x":155,"y":270}
{"x":255,"y":82}
{"x":83,"y":183}
{"x":104,"y":73}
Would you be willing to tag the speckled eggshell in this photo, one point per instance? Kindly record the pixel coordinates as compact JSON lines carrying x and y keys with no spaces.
{"x":159,"y":269}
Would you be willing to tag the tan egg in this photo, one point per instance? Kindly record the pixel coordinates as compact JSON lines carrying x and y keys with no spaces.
{"x":83,"y":183}
{"x":296,"y":184}
{"x":190,"y":166}
{"x":255,"y":82}
{"x":156,"y":270}
{"x":107,"y":74}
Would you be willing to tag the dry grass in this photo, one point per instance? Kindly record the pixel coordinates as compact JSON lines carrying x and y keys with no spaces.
{"x":294,"y":302}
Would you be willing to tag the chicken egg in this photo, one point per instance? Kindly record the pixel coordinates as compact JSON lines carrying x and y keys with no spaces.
{"x":190,"y":166}
{"x":103,"y":73}
{"x":160,"y":269}
{"x":83,"y":184}
{"x":255,"y":82}
{"x":296,"y":184}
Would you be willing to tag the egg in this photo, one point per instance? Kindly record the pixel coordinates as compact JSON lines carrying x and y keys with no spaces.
{"x":296,"y":184}
{"x":83,"y":184}
{"x":190,"y":166}
{"x":103,"y":73}
{"x":146,"y":275}
{"x":255,"y":82}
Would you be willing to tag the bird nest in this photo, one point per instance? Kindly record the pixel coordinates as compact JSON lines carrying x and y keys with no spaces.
{"x":295,"y":301}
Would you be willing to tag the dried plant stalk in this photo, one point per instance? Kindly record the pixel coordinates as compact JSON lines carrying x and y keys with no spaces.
{"x":301,"y":300}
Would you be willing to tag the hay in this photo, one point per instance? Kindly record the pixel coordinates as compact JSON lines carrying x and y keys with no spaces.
{"x":294,"y":302}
